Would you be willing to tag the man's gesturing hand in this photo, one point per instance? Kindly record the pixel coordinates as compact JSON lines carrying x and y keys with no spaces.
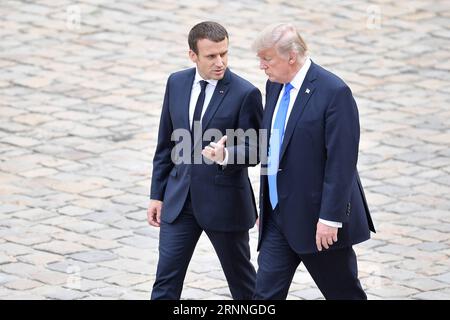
{"x":325,"y":236}
{"x":215,"y":151}
{"x":154,"y":213}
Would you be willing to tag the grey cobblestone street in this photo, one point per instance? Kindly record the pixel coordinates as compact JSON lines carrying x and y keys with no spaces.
{"x":81,"y":89}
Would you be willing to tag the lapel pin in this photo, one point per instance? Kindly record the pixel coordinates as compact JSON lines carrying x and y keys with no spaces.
{"x":221,"y":91}
{"x":307,"y":90}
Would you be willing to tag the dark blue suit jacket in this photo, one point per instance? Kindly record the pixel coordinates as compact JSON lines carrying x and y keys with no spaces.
{"x":317,"y":176}
{"x":222,"y":197}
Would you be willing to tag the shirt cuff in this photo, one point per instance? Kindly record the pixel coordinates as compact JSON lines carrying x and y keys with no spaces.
{"x":225,"y":160}
{"x":331,"y":223}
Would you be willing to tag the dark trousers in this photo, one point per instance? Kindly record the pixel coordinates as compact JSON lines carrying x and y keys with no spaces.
{"x":335,"y":271}
{"x":177,"y":242}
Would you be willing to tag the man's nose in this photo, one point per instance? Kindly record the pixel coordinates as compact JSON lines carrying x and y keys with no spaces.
{"x":262,"y":65}
{"x":219,"y":61}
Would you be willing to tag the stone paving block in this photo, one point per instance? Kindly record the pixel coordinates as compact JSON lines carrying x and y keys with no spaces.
{"x":431,"y":246}
{"x":18,"y":269}
{"x":111,"y":292}
{"x":189,"y":293}
{"x":308,"y":294}
{"x":27,"y":239}
{"x":208,"y":284}
{"x":50,"y":277}
{"x":61,"y":247}
{"x":4,"y":258}
{"x":40,"y":258}
{"x":69,"y":266}
{"x":5,"y":278}
{"x":103,"y":217}
{"x":112,"y":234}
{"x":432,"y":295}
{"x":133,"y":252}
{"x":430,"y":235}
{"x":58,"y":293}
{"x":124,"y":280}
{"x":83,"y":226}
{"x":35,"y":214}
{"x":22,"y":284}
{"x":99,"y":273}
{"x":425,"y":284}
{"x":393,"y":291}
{"x":136,"y":241}
{"x":434,"y":270}
{"x":93,"y":256}
{"x":74,"y":211}
{"x":20,"y":141}
{"x":13,"y":249}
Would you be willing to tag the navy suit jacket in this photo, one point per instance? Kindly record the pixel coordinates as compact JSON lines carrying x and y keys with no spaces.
{"x":317,"y":175}
{"x":222,"y":197}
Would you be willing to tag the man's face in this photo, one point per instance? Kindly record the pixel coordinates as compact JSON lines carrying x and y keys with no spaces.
{"x":276,"y":67}
{"x":212,"y":58}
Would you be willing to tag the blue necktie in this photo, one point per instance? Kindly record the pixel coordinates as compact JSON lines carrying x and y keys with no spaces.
{"x":276,"y":138}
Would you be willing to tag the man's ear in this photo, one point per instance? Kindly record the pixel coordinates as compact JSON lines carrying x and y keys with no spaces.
{"x":292,"y":57}
{"x":193,"y":56}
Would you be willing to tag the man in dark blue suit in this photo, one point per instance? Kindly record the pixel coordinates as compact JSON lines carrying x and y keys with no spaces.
{"x":312,"y":204}
{"x":191,"y":196}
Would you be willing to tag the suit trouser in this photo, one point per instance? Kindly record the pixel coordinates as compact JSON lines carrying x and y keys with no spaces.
{"x":177,"y":242}
{"x":334,"y":271}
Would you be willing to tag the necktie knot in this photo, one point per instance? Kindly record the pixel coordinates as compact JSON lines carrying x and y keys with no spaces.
{"x":203,"y":84}
{"x":288,"y":87}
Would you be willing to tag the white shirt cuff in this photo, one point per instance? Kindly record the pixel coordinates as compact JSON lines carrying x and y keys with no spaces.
{"x":331,"y":223}
{"x":225,"y":160}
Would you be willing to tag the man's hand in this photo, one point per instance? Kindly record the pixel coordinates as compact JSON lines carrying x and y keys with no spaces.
{"x":154,"y":213}
{"x":325,"y":236}
{"x":215,"y":151}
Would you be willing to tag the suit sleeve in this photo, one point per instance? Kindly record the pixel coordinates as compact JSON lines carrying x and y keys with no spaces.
{"x":244,"y":150}
{"x":341,"y":143}
{"x":162,"y":162}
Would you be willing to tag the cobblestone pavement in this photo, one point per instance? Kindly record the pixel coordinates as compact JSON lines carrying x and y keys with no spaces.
{"x":81,"y":86}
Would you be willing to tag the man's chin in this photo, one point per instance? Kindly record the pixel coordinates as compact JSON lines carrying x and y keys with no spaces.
{"x":217,"y":75}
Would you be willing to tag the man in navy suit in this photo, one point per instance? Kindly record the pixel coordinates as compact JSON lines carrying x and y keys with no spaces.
{"x":189,"y":197}
{"x":312,"y":204}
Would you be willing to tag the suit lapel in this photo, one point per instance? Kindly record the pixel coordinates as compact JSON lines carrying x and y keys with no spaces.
{"x":219,"y":93}
{"x":184,"y":98}
{"x":271,"y":103}
{"x":217,"y":97}
{"x":306,"y":91}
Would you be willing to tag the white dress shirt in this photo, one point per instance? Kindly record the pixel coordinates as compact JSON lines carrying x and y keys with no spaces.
{"x":195,"y":92}
{"x":297,"y":84}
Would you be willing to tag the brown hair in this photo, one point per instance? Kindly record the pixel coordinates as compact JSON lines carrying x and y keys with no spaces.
{"x":206,"y":30}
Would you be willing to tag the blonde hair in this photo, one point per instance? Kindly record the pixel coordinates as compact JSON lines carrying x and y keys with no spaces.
{"x":284,"y":37}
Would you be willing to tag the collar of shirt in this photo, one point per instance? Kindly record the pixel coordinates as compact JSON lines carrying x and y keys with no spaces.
{"x":199,"y":78}
{"x":301,"y":74}
{"x":297,"y":84}
{"x":195,"y":92}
